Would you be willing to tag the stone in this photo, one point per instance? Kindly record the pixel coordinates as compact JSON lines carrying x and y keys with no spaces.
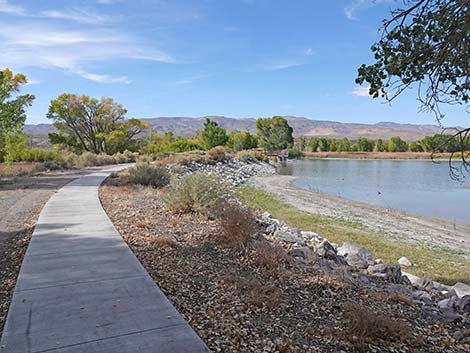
{"x":447,"y":303}
{"x":288,"y":234}
{"x":461,"y":289}
{"x":450,"y":315}
{"x":355,"y":255}
{"x":464,"y":304}
{"x":326,"y":250}
{"x":404,"y":261}
{"x":423,"y":283}
{"x":388,"y":272}
{"x":305,"y":253}
{"x":399,"y":288}
{"x":422,"y":296}
{"x":311,"y":236}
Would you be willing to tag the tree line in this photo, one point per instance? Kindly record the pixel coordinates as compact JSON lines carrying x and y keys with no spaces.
{"x":438,"y":143}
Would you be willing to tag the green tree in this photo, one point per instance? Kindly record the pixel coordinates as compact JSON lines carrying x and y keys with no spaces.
{"x":313,"y":144}
{"x":241,"y":140}
{"x":12,"y":113}
{"x":416,"y":146}
{"x":396,"y":144}
{"x":300,"y":143}
{"x":89,"y":124}
{"x":324,"y":145}
{"x":364,"y":144}
{"x":333,"y":145}
{"x":344,"y":145}
{"x":212,"y":135}
{"x":380,"y":146}
{"x":274,"y":133}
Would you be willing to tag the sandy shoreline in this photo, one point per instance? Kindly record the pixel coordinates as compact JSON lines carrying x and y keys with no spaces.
{"x":392,"y":223}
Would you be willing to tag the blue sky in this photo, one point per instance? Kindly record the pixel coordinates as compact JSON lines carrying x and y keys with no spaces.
{"x":238,"y":58}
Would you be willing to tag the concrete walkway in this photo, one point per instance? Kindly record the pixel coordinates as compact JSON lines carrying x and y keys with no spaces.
{"x":81,"y":289}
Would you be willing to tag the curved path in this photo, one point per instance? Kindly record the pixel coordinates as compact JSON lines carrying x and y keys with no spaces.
{"x":81,"y":289}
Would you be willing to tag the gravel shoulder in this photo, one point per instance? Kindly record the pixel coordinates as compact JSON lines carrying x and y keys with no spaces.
{"x":21,"y":201}
{"x":414,"y":228}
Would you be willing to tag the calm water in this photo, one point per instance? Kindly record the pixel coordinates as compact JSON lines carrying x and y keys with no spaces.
{"x":416,"y":186}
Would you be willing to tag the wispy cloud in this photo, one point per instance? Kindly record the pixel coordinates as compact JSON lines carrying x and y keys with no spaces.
{"x":361,"y":91}
{"x":69,"y":50}
{"x":190,"y":79}
{"x":283,"y":65}
{"x":353,"y":8}
{"x":6,"y":7}
{"x":77,"y":15}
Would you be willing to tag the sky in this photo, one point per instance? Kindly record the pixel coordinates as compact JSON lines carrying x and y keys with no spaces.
{"x":236,"y":58}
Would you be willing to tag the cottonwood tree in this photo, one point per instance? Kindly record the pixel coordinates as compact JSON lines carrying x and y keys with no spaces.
{"x":274,"y":133}
{"x":12,"y":113}
{"x":89,"y":124}
{"x":425,"y":44}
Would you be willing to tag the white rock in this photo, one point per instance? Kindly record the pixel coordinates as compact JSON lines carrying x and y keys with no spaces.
{"x":404,"y":261}
{"x":461,"y":289}
{"x":356,"y":255}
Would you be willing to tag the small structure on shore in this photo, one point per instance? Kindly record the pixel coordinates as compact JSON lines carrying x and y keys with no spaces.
{"x":280,"y":156}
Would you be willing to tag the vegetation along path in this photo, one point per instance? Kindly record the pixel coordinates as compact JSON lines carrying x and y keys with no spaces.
{"x":80,"y":287}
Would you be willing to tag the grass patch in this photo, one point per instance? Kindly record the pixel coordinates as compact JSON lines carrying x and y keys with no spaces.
{"x":442,"y":265}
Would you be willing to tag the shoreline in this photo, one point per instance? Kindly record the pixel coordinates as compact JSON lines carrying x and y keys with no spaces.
{"x":395,"y":224}
{"x":420,"y":156}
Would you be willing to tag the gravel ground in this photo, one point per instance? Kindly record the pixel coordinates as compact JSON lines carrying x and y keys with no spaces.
{"x":404,"y":225}
{"x":238,"y":305}
{"x":21,"y":200}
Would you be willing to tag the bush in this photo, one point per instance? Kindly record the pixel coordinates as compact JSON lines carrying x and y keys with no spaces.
{"x":365,"y":326}
{"x":271,"y":257}
{"x":149,"y":175}
{"x":200,"y":193}
{"x":295,"y":154}
{"x":238,"y":225}
{"x":105,"y":159}
{"x":217,"y":154}
{"x":56,"y":164}
{"x":252,"y":156}
{"x":71,"y":160}
{"x":87,"y":159}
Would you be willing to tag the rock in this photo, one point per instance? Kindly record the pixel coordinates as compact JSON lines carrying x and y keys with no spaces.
{"x":450,"y":315}
{"x":446,"y":303}
{"x":461,"y":289}
{"x":399,"y":288}
{"x":288,"y":234}
{"x":464,"y":303}
{"x":356,"y":255}
{"x":422,"y":296}
{"x":326,"y":250}
{"x":305,"y":253}
{"x":388,"y":272}
{"x":311,"y":236}
{"x":378,"y":261}
{"x":404,"y":261}
{"x":423,"y":283}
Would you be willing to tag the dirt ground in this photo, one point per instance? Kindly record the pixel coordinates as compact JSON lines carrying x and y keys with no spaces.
{"x":21,"y":200}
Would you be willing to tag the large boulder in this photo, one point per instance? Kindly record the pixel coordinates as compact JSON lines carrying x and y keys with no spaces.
{"x":356,"y":255}
{"x":289,"y":234}
{"x":390,"y":273}
{"x":460,"y":290}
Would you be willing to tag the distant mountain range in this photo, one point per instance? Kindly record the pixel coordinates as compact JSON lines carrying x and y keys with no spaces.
{"x":186,"y":126}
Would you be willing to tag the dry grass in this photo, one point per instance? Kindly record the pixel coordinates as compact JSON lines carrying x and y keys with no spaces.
{"x":237,"y":224}
{"x":253,"y":291}
{"x":365,"y":326}
{"x":217,"y":154}
{"x":271,"y":257}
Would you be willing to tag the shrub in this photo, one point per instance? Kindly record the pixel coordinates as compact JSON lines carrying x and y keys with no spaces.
{"x":200,"y":193}
{"x":130,"y":157}
{"x":271,"y":257}
{"x":238,"y":225}
{"x":252,"y":156}
{"x":366,"y":326}
{"x":56,"y":164}
{"x":149,"y":175}
{"x":295,"y":154}
{"x":71,"y":160}
{"x":217,"y":154}
{"x":87,"y":159}
{"x":105,"y":159}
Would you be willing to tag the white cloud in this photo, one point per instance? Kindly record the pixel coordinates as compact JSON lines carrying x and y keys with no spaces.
{"x":106,"y":2}
{"x":283,"y":65}
{"x":361,"y":91}
{"x":6,"y":7}
{"x":356,"y":6}
{"x":72,"y":51}
{"x":77,"y":15}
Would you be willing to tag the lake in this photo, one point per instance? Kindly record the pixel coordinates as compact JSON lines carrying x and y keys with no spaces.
{"x":421,"y":187}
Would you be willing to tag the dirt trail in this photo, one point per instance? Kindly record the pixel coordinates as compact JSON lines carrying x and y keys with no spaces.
{"x":403,"y":225}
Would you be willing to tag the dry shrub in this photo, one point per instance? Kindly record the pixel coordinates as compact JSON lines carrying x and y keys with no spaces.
{"x":253,"y":291}
{"x":271,"y":257}
{"x":199,"y":193}
{"x":149,"y":175}
{"x":163,"y":241}
{"x":217,"y":154}
{"x":365,"y":326}
{"x":238,"y":225}
{"x":399,"y":298}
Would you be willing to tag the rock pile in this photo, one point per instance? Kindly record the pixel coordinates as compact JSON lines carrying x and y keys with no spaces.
{"x":310,"y":250}
{"x":234,"y":171}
